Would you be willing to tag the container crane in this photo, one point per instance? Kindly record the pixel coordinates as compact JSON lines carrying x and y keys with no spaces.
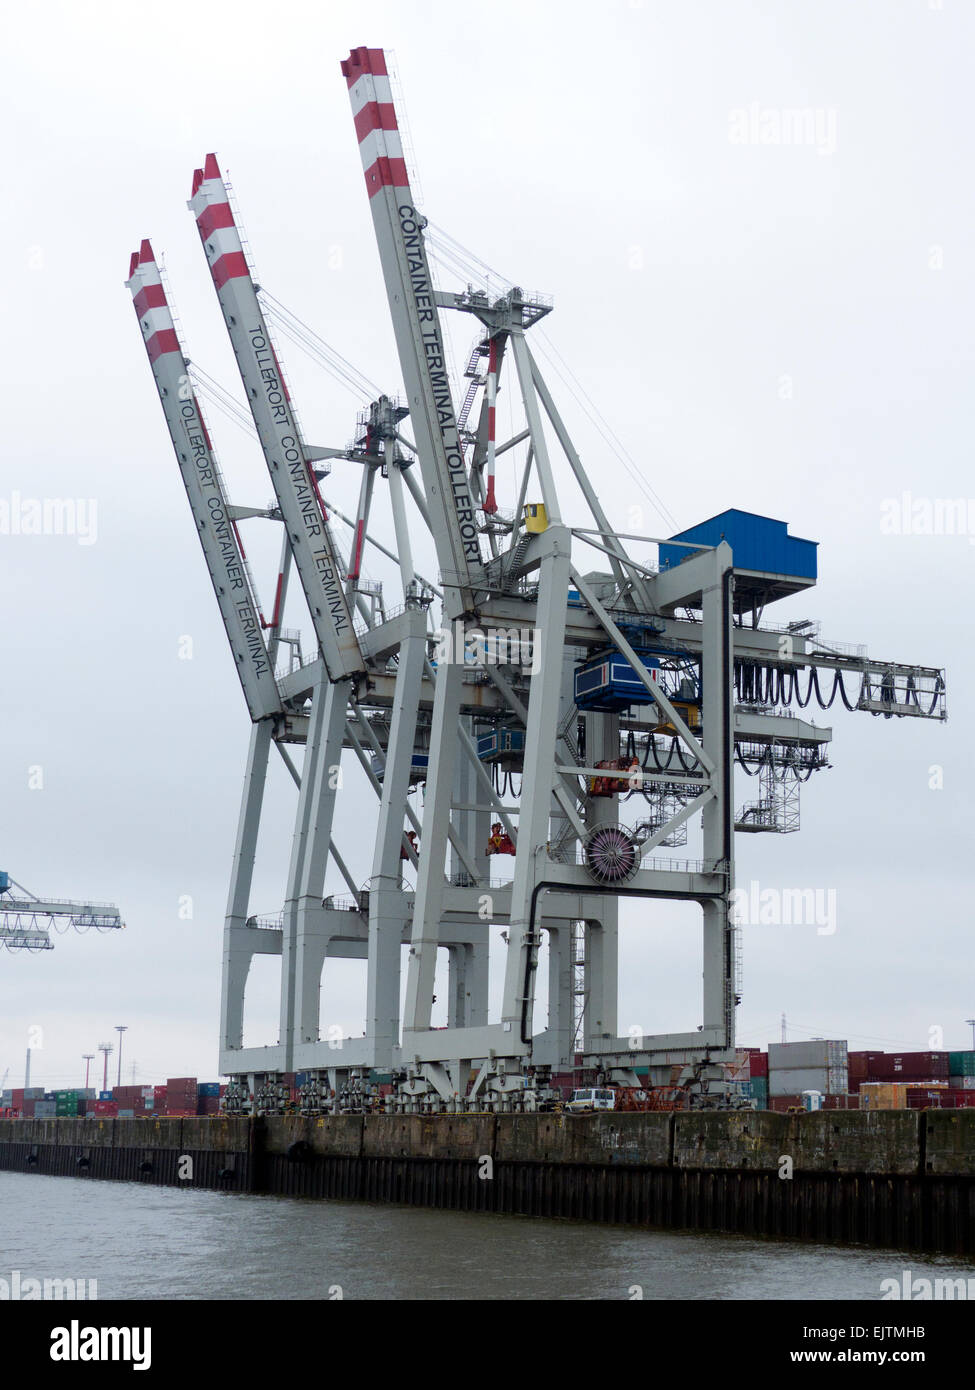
{"x":649,"y":685}
{"x":26,"y":921}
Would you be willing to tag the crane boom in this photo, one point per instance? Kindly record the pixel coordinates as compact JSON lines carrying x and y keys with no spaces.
{"x":295,"y":486}
{"x":25,"y":922}
{"x":416,"y":323}
{"x":204,"y":487}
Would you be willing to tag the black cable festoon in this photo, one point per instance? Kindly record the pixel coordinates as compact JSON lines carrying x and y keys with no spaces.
{"x":757,"y":684}
{"x":680,"y":756}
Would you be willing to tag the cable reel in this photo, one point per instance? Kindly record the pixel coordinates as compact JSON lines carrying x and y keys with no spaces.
{"x":612,"y":854}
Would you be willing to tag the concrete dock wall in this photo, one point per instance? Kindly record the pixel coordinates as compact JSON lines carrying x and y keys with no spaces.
{"x":901,"y":1179}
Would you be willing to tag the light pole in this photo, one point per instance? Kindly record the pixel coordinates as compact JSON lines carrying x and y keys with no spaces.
{"x":105,"y":1048}
{"x":87,"y":1058}
{"x":120,"y":1028}
{"x":971,"y":1024}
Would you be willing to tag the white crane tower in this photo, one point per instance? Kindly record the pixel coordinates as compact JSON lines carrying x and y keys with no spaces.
{"x":547,"y":649}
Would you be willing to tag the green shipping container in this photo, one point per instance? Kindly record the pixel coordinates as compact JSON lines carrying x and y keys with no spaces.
{"x":961,"y":1063}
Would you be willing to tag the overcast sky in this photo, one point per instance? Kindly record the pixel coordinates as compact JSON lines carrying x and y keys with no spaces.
{"x":776,"y":325}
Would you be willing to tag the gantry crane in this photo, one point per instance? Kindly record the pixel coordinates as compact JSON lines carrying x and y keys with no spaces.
{"x":647,"y":684}
{"x":26,"y":921}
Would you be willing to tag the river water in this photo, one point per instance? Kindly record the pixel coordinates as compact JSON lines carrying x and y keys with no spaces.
{"x":159,"y":1242}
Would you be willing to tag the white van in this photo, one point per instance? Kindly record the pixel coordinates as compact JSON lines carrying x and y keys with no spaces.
{"x":590,"y":1098}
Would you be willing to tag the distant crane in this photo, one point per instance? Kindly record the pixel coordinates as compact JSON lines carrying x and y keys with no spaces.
{"x":26,"y":921}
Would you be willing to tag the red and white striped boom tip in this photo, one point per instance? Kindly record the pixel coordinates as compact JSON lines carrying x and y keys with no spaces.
{"x":375,"y":120}
{"x":210,"y":205}
{"x":149,"y":298}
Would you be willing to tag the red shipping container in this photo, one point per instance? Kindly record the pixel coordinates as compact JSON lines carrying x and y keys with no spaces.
{"x":841,"y":1102}
{"x":758,"y":1064}
{"x":920,"y":1099}
{"x":18,"y":1097}
{"x":27,"y":1108}
{"x":781,"y":1104}
{"x":858,"y":1064}
{"x":909,"y":1066}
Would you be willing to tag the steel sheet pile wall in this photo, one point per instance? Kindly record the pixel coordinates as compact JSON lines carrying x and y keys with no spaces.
{"x":896,"y":1178}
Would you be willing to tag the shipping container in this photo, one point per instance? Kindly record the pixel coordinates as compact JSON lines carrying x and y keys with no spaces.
{"x":758,"y":1066}
{"x":961,"y":1063}
{"x":208,"y":1088}
{"x":804,"y":1056}
{"x":782,"y":1104}
{"x":923,"y":1098}
{"x":126,"y":1114}
{"x":858,"y":1065}
{"x":910,"y":1066}
{"x":40,"y":1109}
{"x":847,"y":1102}
{"x":962,"y":1083}
{"x":793,"y":1081}
{"x":882,"y":1095}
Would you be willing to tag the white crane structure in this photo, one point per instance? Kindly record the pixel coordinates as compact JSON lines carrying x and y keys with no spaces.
{"x":26,"y":921}
{"x":622,"y":677}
